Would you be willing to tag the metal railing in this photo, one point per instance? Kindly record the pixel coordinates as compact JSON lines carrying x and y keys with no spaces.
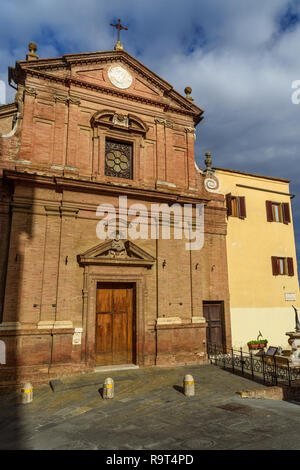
{"x":271,"y":370}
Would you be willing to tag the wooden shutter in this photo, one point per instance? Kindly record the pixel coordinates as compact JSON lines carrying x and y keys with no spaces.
{"x":286,"y":213}
{"x":269,"y":211}
{"x":242,"y":207}
{"x":290,"y":265}
{"x":228,"y":204}
{"x":275,"y":266}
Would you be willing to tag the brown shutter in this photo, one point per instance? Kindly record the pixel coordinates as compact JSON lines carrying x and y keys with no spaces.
{"x":269,"y":211}
{"x":290,"y":266}
{"x":275,"y":266}
{"x":286,"y":213}
{"x":228,"y":204}
{"x":242,"y":207}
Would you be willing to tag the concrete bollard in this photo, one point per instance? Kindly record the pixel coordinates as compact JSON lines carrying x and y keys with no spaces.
{"x":188,"y":386}
{"x":27,"y":393}
{"x":108,"y":388}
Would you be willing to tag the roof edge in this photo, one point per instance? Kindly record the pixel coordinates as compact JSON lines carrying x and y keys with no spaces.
{"x":252,"y":174}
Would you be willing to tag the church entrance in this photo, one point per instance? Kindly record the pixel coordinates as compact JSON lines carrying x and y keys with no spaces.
{"x":115,"y":324}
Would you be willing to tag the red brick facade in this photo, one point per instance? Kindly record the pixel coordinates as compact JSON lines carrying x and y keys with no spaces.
{"x":52,"y":170}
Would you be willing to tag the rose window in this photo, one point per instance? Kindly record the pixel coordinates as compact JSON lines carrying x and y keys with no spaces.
{"x":118,"y":159}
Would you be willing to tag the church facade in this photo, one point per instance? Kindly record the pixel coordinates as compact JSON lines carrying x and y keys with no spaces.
{"x":95,"y":144}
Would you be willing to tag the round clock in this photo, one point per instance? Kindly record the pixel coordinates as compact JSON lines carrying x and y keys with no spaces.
{"x":119,"y":77}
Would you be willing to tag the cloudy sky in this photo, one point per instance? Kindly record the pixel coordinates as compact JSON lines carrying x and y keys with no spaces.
{"x":239,"y":57}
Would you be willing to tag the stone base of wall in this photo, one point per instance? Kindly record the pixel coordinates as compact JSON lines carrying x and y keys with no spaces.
{"x":12,"y":378}
{"x":181,"y":344}
{"x":40,"y":355}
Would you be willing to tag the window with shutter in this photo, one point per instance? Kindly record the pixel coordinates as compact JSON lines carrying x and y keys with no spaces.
{"x":242,"y":207}
{"x":286,"y":213}
{"x":269,"y":211}
{"x":278,"y":212}
{"x":275,"y":266}
{"x":290,"y":266}
{"x":236,"y":206}
{"x":228,"y":204}
{"x":282,"y":266}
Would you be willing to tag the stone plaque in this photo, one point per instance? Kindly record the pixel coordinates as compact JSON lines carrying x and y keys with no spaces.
{"x":119,"y":77}
{"x":290,"y":296}
{"x":77,"y":336}
{"x":168,"y":321}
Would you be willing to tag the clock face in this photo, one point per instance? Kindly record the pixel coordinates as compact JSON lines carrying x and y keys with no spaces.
{"x":119,"y":77}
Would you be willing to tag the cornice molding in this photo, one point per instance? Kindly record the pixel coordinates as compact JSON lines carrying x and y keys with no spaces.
{"x":58,"y":183}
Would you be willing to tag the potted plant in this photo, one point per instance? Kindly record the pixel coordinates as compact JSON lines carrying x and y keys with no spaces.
{"x":257,"y":343}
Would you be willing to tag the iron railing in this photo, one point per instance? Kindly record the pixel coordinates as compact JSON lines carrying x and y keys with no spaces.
{"x":271,"y":370}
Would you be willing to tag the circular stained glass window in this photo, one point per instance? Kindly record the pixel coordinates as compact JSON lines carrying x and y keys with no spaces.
{"x":117,"y":161}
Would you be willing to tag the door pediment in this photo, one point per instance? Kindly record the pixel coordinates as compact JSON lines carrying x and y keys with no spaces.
{"x":116,"y":252}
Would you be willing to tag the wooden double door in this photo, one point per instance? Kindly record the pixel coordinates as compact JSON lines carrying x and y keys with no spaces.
{"x":213,"y":313}
{"x":115,"y":324}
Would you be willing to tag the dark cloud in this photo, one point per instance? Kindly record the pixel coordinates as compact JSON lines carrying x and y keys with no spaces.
{"x":240,"y":58}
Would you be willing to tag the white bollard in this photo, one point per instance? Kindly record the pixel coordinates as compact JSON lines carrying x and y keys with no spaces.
{"x":27,"y":393}
{"x":188,"y":386}
{"x":108,"y":388}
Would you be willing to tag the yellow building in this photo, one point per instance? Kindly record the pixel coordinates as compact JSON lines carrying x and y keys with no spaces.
{"x":262,"y":265}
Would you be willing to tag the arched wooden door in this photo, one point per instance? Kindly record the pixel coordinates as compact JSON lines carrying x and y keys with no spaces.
{"x":115,"y":324}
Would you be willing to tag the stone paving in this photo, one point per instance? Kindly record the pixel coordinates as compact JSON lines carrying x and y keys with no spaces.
{"x":150,"y":412}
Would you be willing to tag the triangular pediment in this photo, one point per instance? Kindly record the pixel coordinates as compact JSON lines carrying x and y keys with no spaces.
{"x":93,"y":74}
{"x":92,"y":70}
{"x":117,"y":252}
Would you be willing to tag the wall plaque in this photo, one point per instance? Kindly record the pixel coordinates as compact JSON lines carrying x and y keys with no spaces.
{"x":290,"y":296}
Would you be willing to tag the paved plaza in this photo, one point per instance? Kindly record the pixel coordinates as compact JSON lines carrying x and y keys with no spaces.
{"x":150,"y":412}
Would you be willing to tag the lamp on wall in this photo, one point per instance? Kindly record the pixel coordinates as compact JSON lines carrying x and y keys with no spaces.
{"x":164,"y":263}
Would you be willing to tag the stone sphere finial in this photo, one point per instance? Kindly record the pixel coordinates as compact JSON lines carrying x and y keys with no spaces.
{"x":31,"y":55}
{"x":32,"y":47}
{"x":119,"y":46}
{"x":188,"y":92}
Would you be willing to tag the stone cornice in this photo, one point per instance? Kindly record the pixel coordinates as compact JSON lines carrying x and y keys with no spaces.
{"x":8,"y":109}
{"x":96,"y":187}
{"x":114,"y":92}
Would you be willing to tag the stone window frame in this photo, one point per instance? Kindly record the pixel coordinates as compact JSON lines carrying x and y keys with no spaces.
{"x":104,"y":128}
{"x":133,"y":151}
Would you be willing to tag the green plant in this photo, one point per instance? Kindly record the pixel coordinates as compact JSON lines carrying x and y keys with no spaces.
{"x":258,"y":341}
